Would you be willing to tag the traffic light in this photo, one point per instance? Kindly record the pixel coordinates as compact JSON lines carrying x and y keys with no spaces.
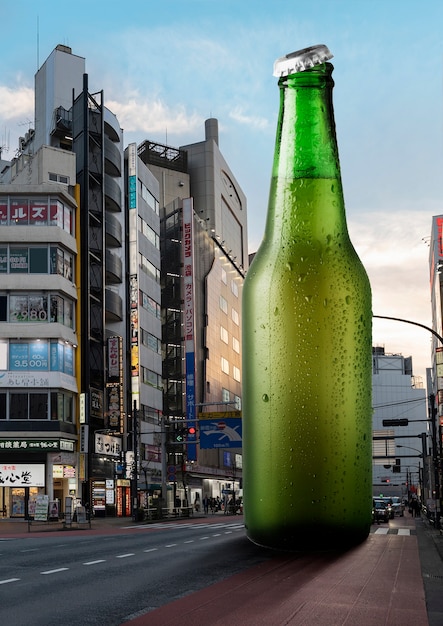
{"x":179,"y":435}
{"x":399,"y":422}
{"x":191,"y":431}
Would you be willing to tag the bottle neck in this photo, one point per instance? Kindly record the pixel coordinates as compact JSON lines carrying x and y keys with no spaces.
{"x":306,"y":144}
{"x":306,"y":196}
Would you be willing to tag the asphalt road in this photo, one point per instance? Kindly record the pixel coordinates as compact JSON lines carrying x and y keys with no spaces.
{"x":110,"y":579}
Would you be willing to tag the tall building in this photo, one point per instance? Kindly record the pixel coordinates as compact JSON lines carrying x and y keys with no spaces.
{"x":400,"y":428}
{"x":204,"y":260}
{"x":435,"y":373}
{"x":120,"y":310}
{"x":63,"y":202}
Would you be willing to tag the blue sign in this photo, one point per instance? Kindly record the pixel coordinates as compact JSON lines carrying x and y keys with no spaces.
{"x":223,"y":433}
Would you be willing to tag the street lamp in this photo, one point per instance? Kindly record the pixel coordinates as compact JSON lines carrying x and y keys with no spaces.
{"x":436,"y":450}
{"x":420,"y":454}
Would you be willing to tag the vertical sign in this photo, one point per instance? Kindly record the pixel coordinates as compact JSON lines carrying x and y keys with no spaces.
{"x":188,"y":294}
{"x":133,"y":268}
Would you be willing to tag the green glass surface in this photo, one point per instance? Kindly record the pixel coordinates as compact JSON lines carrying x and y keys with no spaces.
{"x":307,"y":364}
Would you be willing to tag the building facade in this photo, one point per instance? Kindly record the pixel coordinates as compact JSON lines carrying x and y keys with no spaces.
{"x":400,"y":428}
{"x":204,"y":260}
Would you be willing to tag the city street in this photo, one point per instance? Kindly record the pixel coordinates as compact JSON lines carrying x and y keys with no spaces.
{"x":107,"y":579}
{"x":204,"y":571}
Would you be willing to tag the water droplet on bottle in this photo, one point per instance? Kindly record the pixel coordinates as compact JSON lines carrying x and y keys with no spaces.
{"x":265,"y":397}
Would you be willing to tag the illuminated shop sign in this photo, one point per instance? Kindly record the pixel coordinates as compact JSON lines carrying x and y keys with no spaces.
{"x":36,"y":445}
{"x":21,"y":475}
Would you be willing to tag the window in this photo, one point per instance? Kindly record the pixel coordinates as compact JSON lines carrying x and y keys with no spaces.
{"x":149,"y":304}
{"x":38,"y":406}
{"x":18,"y":406}
{"x":224,"y":335}
{"x":149,"y":233}
{"x":33,"y":307}
{"x":26,"y":308}
{"x":149,"y":268}
{"x":226,"y":396}
{"x":224,"y":365}
{"x":234,"y":288}
{"x":3,"y":397}
{"x":236,"y":373}
{"x":224,"y":276}
{"x":37,"y":210}
{"x":151,"y":341}
{"x":223,"y":305}
{"x":236,"y":345}
{"x":62,"y":404}
{"x":149,"y":198}
{"x":151,"y":378}
{"x":235,"y":317}
{"x":37,"y":260}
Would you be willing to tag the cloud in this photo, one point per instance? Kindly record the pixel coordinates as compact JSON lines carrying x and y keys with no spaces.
{"x":255,"y":121}
{"x":16,"y":103}
{"x":137,"y":114}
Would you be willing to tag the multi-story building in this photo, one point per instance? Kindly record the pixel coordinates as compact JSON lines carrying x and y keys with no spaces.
{"x":65,"y":191}
{"x":100,"y":368}
{"x":400,"y":427}
{"x":435,"y":373}
{"x":144,"y":327}
{"x":204,"y":259}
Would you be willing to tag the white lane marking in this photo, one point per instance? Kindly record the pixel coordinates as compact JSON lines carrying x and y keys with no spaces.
{"x":30,"y":550}
{"x":381,"y":531}
{"x":228,"y":532}
{"x":201,"y":538}
{"x":55,"y":571}
{"x":216,"y":535}
{"x":404,"y":531}
{"x":189,"y":541}
{"x":150,"y":550}
{"x":8,"y":580}
{"x":123,"y":556}
{"x":170,"y":545}
{"x":95,"y":562}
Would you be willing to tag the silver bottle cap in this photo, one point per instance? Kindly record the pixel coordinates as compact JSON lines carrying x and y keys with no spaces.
{"x":301,"y":60}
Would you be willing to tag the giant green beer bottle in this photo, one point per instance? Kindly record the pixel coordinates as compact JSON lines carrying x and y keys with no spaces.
{"x":307,"y":322}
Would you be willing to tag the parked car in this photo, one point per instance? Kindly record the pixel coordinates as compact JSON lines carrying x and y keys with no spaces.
{"x":380,"y":512}
{"x":398,"y":506}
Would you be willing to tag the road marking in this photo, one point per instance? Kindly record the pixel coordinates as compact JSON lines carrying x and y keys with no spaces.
{"x":95,"y":562}
{"x":8,"y":580}
{"x":150,"y":550}
{"x":216,"y":535}
{"x":189,"y":541}
{"x":123,"y":556}
{"x":404,"y":531}
{"x":381,"y":531}
{"x":55,"y":571}
{"x":30,"y":550}
{"x":201,"y":538}
{"x":170,"y":545}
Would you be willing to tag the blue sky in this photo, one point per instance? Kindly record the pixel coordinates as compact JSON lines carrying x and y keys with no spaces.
{"x":166,"y":67}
